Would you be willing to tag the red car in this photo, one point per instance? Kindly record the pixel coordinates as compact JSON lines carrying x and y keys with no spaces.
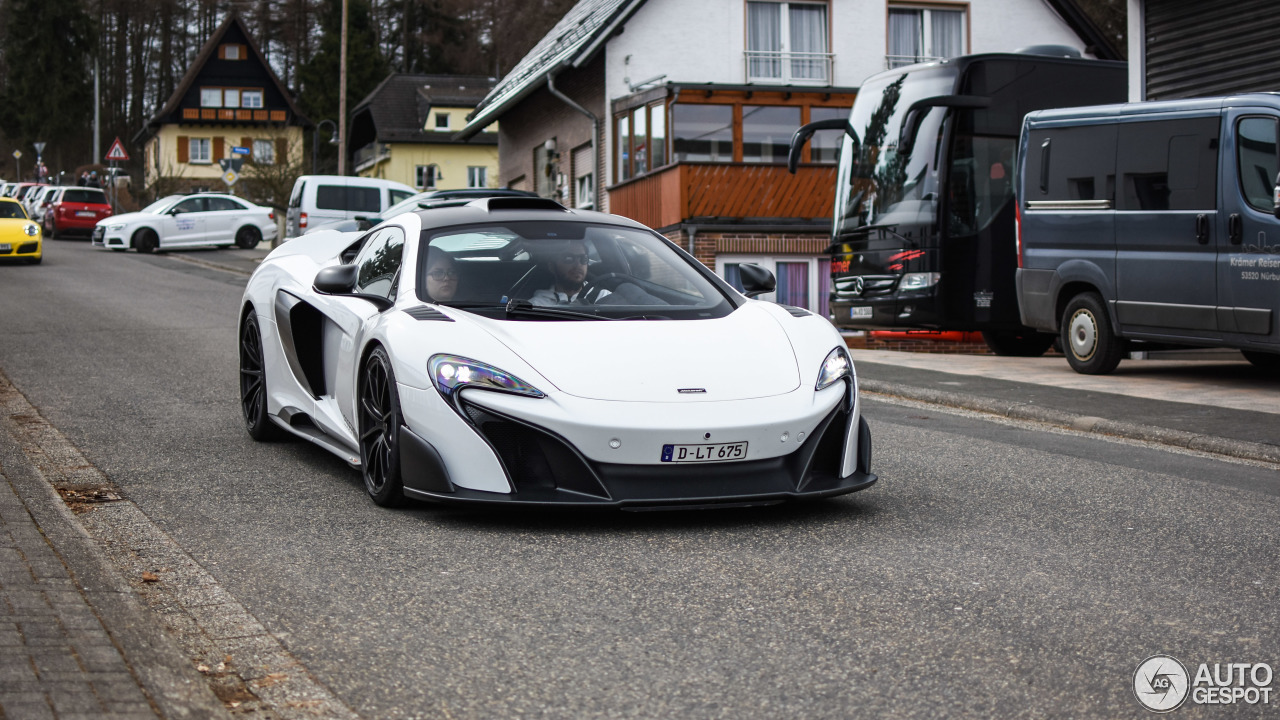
{"x":75,"y":210}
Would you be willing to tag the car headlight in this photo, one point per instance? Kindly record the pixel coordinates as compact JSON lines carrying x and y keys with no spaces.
{"x":919,"y":281}
{"x":115,"y":227}
{"x":835,"y":367}
{"x":452,"y":373}
{"x":31,"y":230}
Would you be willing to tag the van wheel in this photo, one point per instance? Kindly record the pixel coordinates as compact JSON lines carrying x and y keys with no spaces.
{"x":1262,"y":360}
{"x":1088,"y":341}
{"x":1018,"y":343}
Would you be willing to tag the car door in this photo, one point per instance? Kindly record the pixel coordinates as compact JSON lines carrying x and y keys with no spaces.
{"x":1166,"y":252}
{"x":183,"y":224}
{"x":221,"y":221}
{"x":1249,"y":249}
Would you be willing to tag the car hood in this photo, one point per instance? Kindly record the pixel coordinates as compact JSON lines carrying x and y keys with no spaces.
{"x":15,"y":225}
{"x":743,"y":355}
{"x":127,"y":218}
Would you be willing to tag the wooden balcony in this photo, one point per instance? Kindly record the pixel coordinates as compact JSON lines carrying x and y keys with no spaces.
{"x":725,"y":190}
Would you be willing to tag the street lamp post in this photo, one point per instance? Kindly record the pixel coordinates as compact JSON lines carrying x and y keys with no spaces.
{"x":315,"y":144}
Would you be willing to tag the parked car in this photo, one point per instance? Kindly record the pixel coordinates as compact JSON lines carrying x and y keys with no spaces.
{"x":1152,"y":224}
{"x":75,"y":211}
{"x":320,"y":199}
{"x":21,"y":190}
{"x":417,"y":352}
{"x":20,"y":238}
{"x":40,"y":201}
{"x":422,"y":200}
{"x":187,"y":220}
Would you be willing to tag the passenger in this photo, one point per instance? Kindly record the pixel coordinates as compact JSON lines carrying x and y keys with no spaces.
{"x":442,"y":275}
{"x":570,"y":271}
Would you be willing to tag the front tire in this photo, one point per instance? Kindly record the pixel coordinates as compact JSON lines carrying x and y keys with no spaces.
{"x":379,"y":411}
{"x":1088,"y":340}
{"x":253,"y":383}
{"x":146,"y":241}
{"x":248,"y":237}
{"x":1018,"y":343}
{"x":1262,"y":360}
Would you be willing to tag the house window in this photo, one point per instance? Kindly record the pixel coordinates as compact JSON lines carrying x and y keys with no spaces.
{"x":442,"y":121}
{"x":825,"y":145}
{"x":624,"y":147}
{"x":210,"y":97}
{"x":231,"y":52}
{"x":642,"y":140}
{"x":787,"y":42}
{"x":921,"y":34}
{"x":477,"y":177}
{"x":425,"y":176}
{"x":251,"y":98}
{"x":767,"y":131}
{"x":802,"y":281}
{"x":264,"y":152}
{"x":200,"y":151}
{"x":584,"y":178}
{"x":702,"y":133}
{"x":231,"y":98}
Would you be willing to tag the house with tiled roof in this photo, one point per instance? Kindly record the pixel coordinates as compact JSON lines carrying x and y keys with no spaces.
{"x":404,"y":131}
{"x":230,"y":97}
{"x":679,"y":115}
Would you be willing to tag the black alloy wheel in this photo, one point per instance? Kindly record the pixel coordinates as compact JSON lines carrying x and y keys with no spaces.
{"x":248,"y":237}
{"x":380,"y":431}
{"x":253,"y":383}
{"x":146,"y":240}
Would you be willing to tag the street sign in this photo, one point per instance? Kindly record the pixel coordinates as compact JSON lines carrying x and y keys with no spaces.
{"x":230,"y":177}
{"x":39,"y":146}
{"x":117,"y":151}
{"x":233,"y":164}
{"x":237,"y":150}
{"x":17,"y":154}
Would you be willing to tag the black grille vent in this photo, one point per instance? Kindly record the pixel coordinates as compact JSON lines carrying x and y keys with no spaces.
{"x":795,"y":311}
{"x":424,"y":312}
{"x":28,"y":247}
{"x":534,"y":459}
{"x":872,"y":286}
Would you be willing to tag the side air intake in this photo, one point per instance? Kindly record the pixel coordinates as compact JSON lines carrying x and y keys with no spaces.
{"x":521,"y":203}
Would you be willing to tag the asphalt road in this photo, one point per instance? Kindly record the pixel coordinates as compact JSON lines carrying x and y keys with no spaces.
{"x":996,"y":570}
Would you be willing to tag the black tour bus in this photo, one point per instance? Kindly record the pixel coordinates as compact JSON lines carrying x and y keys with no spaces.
{"x":923,"y":228}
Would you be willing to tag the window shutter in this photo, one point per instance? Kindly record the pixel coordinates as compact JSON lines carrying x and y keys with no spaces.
{"x":282,"y":150}
{"x":222,"y":52}
{"x":184,"y":149}
{"x":247,"y":143}
{"x":219,"y":147}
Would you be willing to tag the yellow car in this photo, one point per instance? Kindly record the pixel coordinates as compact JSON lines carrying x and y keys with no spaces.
{"x":19,"y":236}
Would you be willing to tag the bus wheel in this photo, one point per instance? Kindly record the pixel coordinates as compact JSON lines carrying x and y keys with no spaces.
{"x":1087,"y":339}
{"x":1018,"y":343}
{"x":1262,"y":360}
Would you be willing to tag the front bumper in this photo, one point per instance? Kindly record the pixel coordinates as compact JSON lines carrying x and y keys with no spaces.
{"x":27,"y":248}
{"x":102,"y":238}
{"x":545,"y":469}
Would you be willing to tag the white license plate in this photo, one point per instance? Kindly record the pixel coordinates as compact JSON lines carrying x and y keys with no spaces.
{"x":86,"y":213}
{"x":6,"y":248}
{"x":860,"y":312}
{"x":713,"y":452}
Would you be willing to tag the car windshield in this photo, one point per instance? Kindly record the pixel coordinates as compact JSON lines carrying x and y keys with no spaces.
{"x":159,"y":205}
{"x":12,"y":210}
{"x":547,"y":270}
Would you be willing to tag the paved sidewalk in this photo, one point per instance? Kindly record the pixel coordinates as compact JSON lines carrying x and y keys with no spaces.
{"x":74,"y":641}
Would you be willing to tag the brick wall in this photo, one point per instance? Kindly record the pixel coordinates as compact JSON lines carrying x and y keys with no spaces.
{"x":708,"y":245}
{"x":543,"y":116}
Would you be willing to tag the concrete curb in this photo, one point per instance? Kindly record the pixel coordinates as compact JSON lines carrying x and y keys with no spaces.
{"x":1025,"y":411}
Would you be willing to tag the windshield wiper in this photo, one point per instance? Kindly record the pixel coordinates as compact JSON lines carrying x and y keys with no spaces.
{"x":524,"y":307}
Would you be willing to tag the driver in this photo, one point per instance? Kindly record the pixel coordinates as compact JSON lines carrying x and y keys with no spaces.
{"x":569,"y":269}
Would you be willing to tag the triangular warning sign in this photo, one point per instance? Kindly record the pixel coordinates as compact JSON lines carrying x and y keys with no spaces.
{"x":117,"y":151}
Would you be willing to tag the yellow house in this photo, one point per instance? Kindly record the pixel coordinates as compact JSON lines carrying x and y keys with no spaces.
{"x":230,"y":104}
{"x":403,"y":131}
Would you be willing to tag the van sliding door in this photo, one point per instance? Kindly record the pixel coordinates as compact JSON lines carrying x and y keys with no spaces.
{"x":1249,"y":245}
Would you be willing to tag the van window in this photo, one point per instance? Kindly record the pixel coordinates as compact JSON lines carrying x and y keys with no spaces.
{"x":1082,"y":163}
{"x":981,"y":181}
{"x":399,"y":195}
{"x":295,"y":200}
{"x":351,"y":199}
{"x":1256,"y":155}
{"x":1169,"y":164}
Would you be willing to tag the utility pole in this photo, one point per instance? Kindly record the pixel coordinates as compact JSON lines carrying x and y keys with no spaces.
{"x":342,"y":98}
{"x":97,"y":104}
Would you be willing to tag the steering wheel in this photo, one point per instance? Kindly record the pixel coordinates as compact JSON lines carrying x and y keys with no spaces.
{"x":591,"y":290}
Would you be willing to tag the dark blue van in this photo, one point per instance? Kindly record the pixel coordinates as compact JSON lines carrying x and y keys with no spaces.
{"x":1151,"y":224}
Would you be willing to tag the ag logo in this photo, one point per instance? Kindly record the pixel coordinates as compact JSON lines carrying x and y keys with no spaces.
{"x":1161,"y":683}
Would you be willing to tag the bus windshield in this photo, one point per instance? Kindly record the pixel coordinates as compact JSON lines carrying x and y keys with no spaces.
{"x":877,"y":185}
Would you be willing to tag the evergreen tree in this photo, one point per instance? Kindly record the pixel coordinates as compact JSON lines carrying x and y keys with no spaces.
{"x":48,"y":94}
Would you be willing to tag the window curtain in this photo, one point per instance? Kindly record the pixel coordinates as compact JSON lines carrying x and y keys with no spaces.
{"x":948,"y":33}
{"x":808,"y":35}
{"x":764,"y":34}
{"x":824,"y":287}
{"x":905,"y":36}
{"x":733,"y":276}
{"x":793,"y":284}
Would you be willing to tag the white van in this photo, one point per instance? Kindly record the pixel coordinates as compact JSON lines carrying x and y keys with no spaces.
{"x":325,"y":198}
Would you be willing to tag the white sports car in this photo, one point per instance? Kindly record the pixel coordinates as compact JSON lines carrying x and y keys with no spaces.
{"x":513,"y":351}
{"x":188,"y":220}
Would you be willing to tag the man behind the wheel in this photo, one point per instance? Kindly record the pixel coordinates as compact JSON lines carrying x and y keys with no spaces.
{"x":570,"y":271}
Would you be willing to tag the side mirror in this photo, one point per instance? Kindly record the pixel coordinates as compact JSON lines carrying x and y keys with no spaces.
{"x":341,"y":280}
{"x":805,"y":132}
{"x":756,"y":280}
{"x":176,"y":211}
